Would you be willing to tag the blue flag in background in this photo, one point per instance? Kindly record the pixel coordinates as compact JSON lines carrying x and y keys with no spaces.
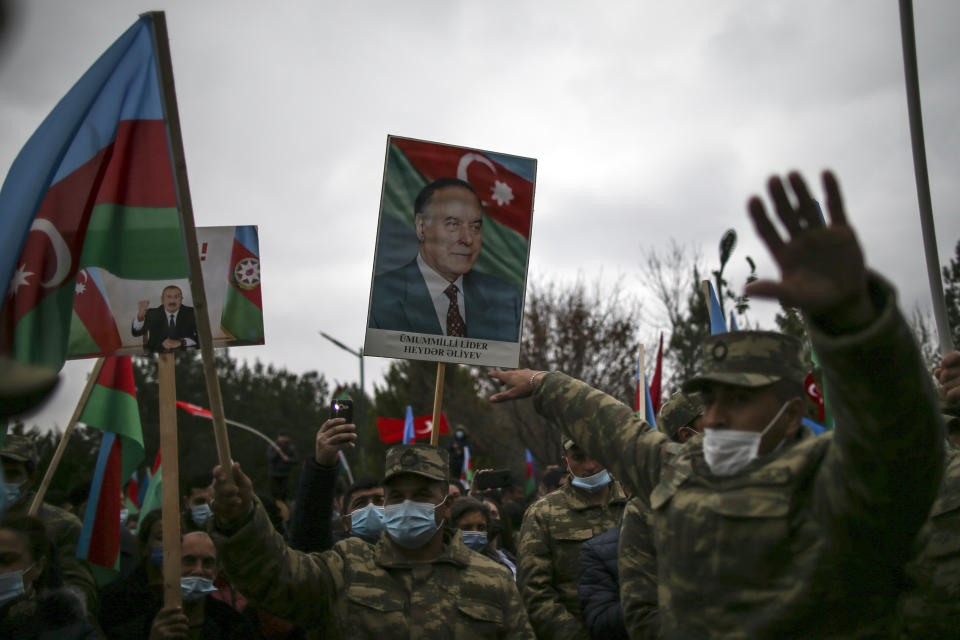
{"x":408,"y":433}
{"x":717,"y":322}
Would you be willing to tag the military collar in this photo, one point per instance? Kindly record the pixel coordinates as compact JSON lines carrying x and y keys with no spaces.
{"x":386,"y":554}
{"x":578,"y":500}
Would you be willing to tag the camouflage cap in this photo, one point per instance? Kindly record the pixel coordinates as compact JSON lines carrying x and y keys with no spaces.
{"x":679,"y":411}
{"x":747,"y":359}
{"x":419,"y":459}
{"x":19,"y":448}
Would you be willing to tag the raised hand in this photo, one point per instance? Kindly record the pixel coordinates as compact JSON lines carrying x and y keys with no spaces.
{"x":822,"y":269}
{"x":334,"y":436}
{"x":232,"y":494}
{"x":948,"y":373}
{"x":518,"y":383}
{"x":142,"y":307}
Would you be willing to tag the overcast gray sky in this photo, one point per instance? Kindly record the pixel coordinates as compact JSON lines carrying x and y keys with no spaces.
{"x":650,"y":121}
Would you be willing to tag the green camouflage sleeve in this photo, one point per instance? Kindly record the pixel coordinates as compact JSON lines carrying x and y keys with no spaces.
{"x":293,"y":585}
{"x":516,"y":621}
{"x":882,"y":471}
{"x":637,"y":563}
{"x":548,"y":616}
{"x":606,"y":428}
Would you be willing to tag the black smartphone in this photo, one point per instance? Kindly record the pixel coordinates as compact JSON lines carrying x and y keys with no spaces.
{"x":342,"y":409}
{"x":493,"y":479}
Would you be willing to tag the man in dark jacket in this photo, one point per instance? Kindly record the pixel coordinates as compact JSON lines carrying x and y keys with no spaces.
{"x":599,"y":587}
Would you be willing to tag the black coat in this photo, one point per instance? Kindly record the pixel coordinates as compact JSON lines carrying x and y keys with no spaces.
{"x":55,"y":615}
{"x":156,"y":330}
{"x":599,"y":587}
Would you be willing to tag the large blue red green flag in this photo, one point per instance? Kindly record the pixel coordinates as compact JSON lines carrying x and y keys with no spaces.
{"x":93,"y":186}
{"x":112,"y":408}
{"x":242,"y":316}
{"x":530,"y":481}
{"x":504,"y":184}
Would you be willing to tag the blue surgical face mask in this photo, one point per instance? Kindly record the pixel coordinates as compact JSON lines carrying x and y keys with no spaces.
{"x":13,"y":491}
{"x":411,"y":524}
{"x":593,"y":483}
{"x":193,"y":588}
{"x":475,"y":540}
{"x":367,"y":523}
{"x":11,"y":584}
{"x":156,"y":556}
{"x":200,"y":514}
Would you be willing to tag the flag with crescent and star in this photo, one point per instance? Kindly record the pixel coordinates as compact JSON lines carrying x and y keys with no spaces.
{"x":391,"y":429}
{"x":504,"y":183}
{"x":92,"y":187}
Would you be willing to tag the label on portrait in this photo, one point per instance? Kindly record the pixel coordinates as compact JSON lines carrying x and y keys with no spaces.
{"x":115,"y":315}
{"x":452,"y":250}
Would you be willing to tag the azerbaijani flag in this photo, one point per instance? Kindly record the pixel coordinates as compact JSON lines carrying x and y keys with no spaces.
{"x":112,"y":408}
{"x":152,"y":496}
{"x":530,"y":481}
{"x":242,"y":316}
{"x":93,"y":329}
{"x":504,"y":184}
{"x":93,"y":186}
{"x":643,"y":395}
{"x":466,"y":474}
{"x":131,"y":494}
{"x":409,"y":434}
{"x":656,"y":393}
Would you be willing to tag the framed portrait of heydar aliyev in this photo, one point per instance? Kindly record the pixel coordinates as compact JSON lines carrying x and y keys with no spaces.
{"x":450,"y":267}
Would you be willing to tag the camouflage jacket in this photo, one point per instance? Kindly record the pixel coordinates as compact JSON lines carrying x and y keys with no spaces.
{"x":63,"y":529}
{"x":637,"y":562}
{"x":548,"y":564}
{"x":359,"y":590}
{"x":931,"y":609}
{"x":809,"y":541}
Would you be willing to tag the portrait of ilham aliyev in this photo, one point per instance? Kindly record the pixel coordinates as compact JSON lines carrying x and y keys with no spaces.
{"x":439,"y":291}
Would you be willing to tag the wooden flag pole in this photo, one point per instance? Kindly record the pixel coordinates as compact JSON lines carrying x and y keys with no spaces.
{"x":437,"y":404}
{"x":169,"y":490}
{"x":908,"y":39}
{"x":642,"y":386}
{"x":185,"y":206}
{"x":62,"y":446}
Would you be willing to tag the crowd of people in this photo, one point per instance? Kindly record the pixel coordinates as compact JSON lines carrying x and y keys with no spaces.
{"x":733,"y":520}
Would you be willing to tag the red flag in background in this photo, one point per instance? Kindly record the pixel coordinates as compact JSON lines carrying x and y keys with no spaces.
{"x":655,"y":384}
{"x":391,"y":429}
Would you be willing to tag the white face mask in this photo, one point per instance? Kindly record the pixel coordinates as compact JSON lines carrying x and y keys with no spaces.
{"x":727,"y":451}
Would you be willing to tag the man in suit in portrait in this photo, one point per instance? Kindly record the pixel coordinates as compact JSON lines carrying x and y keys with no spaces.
{"x":438,"y":292}
{"x":170,"y":326}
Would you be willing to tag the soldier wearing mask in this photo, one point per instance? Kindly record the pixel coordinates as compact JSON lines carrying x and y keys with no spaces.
{"x":757,"y":534}
{"x":680,"y":419}
{"x":554,"y":528}
{"x":20,"y":459}
{"x":418,"y":580}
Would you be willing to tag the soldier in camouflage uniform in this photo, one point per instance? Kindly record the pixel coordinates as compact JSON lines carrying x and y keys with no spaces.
{"x":417,"y":581}
{"x":554,"y":528}
{"x":755,"y":540}
{"x":20,"y":460}
{"x":931,"y":609}
{"x":680,"y":420}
